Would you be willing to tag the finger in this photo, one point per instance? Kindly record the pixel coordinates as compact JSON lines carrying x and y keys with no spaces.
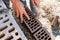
{"x":33,"y":2}
{"x":14,"y":8}
{"x":17,"y":14}
{"x":21,"y":18}
{"x":20,"y":14}
{"x":17,"y":11}
{"x":26,"y":15}
{"x":37,"y":3}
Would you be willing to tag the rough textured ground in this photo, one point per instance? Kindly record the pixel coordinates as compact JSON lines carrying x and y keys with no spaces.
{"x":48,"y":9}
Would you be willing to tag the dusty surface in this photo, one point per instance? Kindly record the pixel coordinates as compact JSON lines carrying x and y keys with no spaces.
{"x":48,"y":10}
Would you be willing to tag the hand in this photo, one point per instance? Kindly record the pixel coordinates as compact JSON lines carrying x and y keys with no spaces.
{"x":20,"y":10}
{"x":35,"y":3}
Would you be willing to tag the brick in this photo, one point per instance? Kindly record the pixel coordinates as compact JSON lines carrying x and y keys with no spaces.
{"x":9,"y":29}
{"x":35,"y":27}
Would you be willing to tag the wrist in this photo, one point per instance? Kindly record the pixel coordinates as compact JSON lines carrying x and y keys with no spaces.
{"x":17,"y":2}
{"x":14,"y":1}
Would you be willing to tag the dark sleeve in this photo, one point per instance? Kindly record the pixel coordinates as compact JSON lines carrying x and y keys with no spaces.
{"x":7,"y":2}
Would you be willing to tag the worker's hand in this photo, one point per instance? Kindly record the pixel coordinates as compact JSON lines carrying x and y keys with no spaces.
{"x":35,"y":3}
{"x":20,"y":10}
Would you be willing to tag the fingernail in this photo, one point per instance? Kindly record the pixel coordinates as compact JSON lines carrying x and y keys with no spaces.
{"x":28,"y":18}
